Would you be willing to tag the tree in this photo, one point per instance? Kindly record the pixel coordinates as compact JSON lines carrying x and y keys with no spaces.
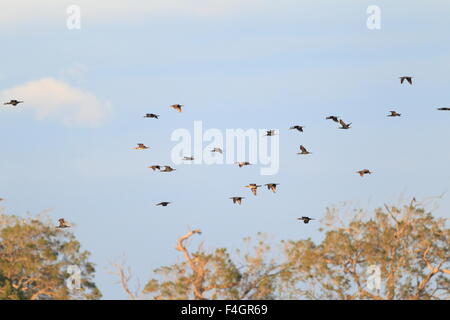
{"x":211,"y":275}
{"x":405,"y":244}
{"x":34,"y":258}
{"x":215,"y":275}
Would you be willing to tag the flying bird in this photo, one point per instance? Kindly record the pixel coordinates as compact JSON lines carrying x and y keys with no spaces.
{"x":237,"y":200}
{"x":62,"y":224}
{"x":140,"y":146}
{"x":151,"y":115}
{"x":155,"y":167}
{"x":13,"y":102}
{"x":303,"y":150}
{"x":253,"y":187}
{"x":299,"y":128}
{"x":394,"y":114}
{"x":363,"y":172}
{"x":272,"y":186}
{"x":188,"y":158}
{"x":344,"y":125}
{"x":164,"y":204}
{"x":242,"y":164}
{"x":305,"y":219}
{"x":444,"y":109}
{"x":409,"y":79}
{"x":270,"y":133}
{"x":177,"y":107}
{"x":168,"y":169}
{"x":217,"y":150}
{"x":334,"y":118}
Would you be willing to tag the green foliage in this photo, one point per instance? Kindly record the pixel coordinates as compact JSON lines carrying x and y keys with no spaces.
{"x":217,"y":276}
{"x":34,"y":257}
{"x":408,"y":245}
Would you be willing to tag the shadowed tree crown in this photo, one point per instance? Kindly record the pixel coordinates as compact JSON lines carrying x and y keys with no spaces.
{"x":394,"y":252}
{"x":34,"y":260}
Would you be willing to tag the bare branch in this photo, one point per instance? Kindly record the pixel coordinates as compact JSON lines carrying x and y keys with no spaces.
{"x":196,"y":265}
{"x":124,"y":279}
{"x":433,"y":271}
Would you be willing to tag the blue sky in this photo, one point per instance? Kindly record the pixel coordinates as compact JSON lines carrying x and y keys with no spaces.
{"x":233,"y":64}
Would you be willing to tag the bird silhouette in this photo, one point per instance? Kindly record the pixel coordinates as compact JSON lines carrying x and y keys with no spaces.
{"x":151,"y":115}
{"x":303,"y":150}
{"x":444,"y":109}
{"x":168,"y":169}
{"x":164,"y":204}
{"x":363,"y":172}
{"x":243,"y":164}
{"x":270,"y":133}
{"x":296,"y":127}
{"x":140,"y":146}
{"x":237,"y":200}
{"x":13,"y":102}
{"x":177,"y":107}
{"x":155,"y":167}
{"x":394,"y":114}
{"x":409,"y":79}
{"x":217,"y":150}
{"x":344,"y":125}
{"x":253,"y":187}
{"x":62,"y":224}
{"x":272,"y":186}
{"x":334,"y":118}
{"x":305,"y":219}
{"x":188,"y":158}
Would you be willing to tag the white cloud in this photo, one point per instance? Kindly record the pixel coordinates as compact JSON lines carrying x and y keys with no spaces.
{"x":55,"y":99}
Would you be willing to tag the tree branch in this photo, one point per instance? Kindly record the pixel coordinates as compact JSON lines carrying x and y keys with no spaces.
{"x":124,"y":279}
{"x":433,"y":271}
{"x":197,"y":268}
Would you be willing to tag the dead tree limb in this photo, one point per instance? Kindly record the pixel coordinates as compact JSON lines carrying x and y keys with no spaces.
{"x":124,"y":279}
{"x":197,"y":265}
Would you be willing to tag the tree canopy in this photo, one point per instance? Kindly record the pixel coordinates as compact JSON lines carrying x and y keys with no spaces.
{"x":395,"y":252}
{"x":34,"y":261}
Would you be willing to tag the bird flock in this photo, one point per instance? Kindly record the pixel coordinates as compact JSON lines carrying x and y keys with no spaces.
{"x":252,"y":186}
